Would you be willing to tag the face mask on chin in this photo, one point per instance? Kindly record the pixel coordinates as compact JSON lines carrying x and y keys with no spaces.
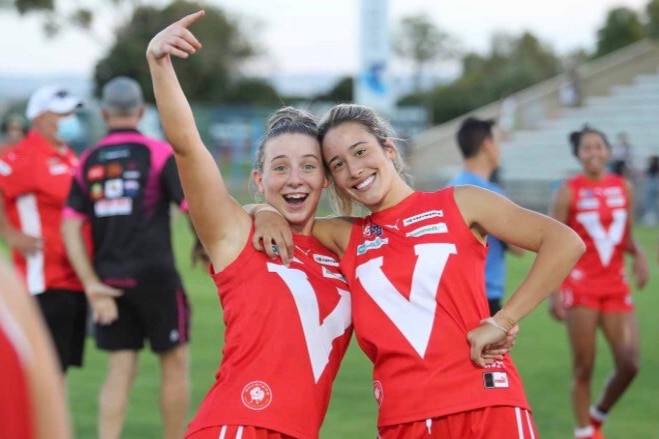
{"x":69,"y":128}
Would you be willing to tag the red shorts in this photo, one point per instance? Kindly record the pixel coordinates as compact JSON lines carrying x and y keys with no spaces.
{"x":236,"y":432}
{"x":501,"y":422}
{"x":609,"y":303}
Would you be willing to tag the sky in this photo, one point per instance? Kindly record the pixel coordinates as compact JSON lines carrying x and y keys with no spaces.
{"x":320,"y":36}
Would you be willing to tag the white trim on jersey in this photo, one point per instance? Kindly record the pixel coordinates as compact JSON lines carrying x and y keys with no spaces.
{"x":520,"y":427}
{"x":28,"y":214}
{"x":223,"y":432}
{"x":529,"y":423}
{"x":15,"y":334}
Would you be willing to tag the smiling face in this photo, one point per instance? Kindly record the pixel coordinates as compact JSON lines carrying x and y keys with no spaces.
{"x":361,"y":167}
{"x":292,"y":178}
{"x":593,"y":153}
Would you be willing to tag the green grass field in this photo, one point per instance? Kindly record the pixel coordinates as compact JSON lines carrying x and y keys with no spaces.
{"x":541,"y":355}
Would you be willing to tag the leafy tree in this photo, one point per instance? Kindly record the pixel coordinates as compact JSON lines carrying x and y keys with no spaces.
{"x":253,"y":90}
{"x":423,"y":43}
{"x":340,"y":92}
{"x":513,"y":63}
{"x":206,"y":77}
{"x":652,"y":14}
{"x":622,"y":28}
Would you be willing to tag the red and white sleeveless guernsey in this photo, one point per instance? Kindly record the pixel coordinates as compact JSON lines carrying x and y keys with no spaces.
{"x":598,"y":213}
{"x":15,"y":352}
{"x":416,"y":274}
{"x":287,"y":329}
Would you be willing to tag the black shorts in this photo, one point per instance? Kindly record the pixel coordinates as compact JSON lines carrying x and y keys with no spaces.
{"x":65,"y":313}
{"x":161,"y":315}
{"x":495,"y":305}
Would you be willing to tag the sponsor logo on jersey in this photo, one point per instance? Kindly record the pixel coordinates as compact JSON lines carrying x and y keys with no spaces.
{"x":256,"y":395}
{"x":496,"y":365}
{"x":115,"y":169}
{"x":614,"y":190}
{"x":5,"y":169}
{"x":586,"y":193}
{"x":114,"y":188}
{"x":96,"y":172}
{"x":392,"y":226}
{"x":371,"y":245}
{"x":131,"y":188}
{"x":333,"y":275}
{"x":616,"y":201}
{"x":118,"y":206}
{"x":132,"y":175}
{"x":56,"y":167}
{"x":378,"y":392}
{"x":496,"y":380}
{"x":423,"y":216}
{"x":113,"y":154}
{"x":432,"y":229}
{"x":588,"y":203}
{"x":371,"y":229}
{"x":325,"y":260}
{"x":96,"y":191}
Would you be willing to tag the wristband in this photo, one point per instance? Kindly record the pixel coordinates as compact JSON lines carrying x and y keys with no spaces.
{"x":266,"y":208}
{"x":491,"y":321}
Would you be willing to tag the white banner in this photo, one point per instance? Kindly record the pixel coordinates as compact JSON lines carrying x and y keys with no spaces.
{"x":373,"y":82}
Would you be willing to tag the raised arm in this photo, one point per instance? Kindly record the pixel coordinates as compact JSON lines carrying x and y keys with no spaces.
{"x":221,"y":223}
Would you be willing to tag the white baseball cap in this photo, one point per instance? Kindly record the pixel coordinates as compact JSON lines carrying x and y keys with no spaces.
{"x":51,"y":98}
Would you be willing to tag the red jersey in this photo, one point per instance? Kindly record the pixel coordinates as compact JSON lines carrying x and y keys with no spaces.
{"x":287,"y":329}
{"x":15,"y":408}
{"x":416,"y":274}
{"x":35,"y":179}
{"x":598,"y":212}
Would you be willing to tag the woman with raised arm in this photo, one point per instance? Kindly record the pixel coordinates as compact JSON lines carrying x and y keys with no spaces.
{"x":287,"y":327}
{"x":598,"y":205}
{"x":415,"y":266}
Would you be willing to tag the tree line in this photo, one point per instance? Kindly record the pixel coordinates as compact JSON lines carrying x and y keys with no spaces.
{"x":216,"y":74}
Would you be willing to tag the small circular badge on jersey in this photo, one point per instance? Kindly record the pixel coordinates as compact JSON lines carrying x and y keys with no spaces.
{"x":378,"y":392}
{"x":257,"y":395}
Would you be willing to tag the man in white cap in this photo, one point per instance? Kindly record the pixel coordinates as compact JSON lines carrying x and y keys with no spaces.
{"x":124,"y":187}
{"x":35,"y":178}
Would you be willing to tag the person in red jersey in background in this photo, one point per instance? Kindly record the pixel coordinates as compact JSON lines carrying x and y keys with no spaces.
{"x":598,"y":205}
{"x":35,"y":177}
{"x":415,"y":266}
{"x":287,"y":327}
{"x":32,"y":401}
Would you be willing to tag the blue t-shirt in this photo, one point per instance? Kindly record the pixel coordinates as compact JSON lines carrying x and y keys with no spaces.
{"x":495,"y":264}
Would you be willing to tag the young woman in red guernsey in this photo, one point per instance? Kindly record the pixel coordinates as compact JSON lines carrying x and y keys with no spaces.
{"x":32,"y":401}
{"x":287,"y":327}
{"x":598,"y":206}
{"x":415,"y":266}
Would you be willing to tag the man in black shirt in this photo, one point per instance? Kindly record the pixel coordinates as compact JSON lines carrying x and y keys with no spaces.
{"x":123,"y":187}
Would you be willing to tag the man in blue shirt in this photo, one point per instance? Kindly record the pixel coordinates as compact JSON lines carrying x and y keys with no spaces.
{"x":480,"y":150}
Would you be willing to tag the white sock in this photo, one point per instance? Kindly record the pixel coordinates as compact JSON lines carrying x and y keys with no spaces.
{"x":597,"y":414}
{"x":584,"y":432}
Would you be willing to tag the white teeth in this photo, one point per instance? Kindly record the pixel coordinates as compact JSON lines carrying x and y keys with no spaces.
{"x":366,"y":182}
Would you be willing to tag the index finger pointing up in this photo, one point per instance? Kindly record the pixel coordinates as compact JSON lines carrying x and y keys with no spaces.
{"x":189,"y":20}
